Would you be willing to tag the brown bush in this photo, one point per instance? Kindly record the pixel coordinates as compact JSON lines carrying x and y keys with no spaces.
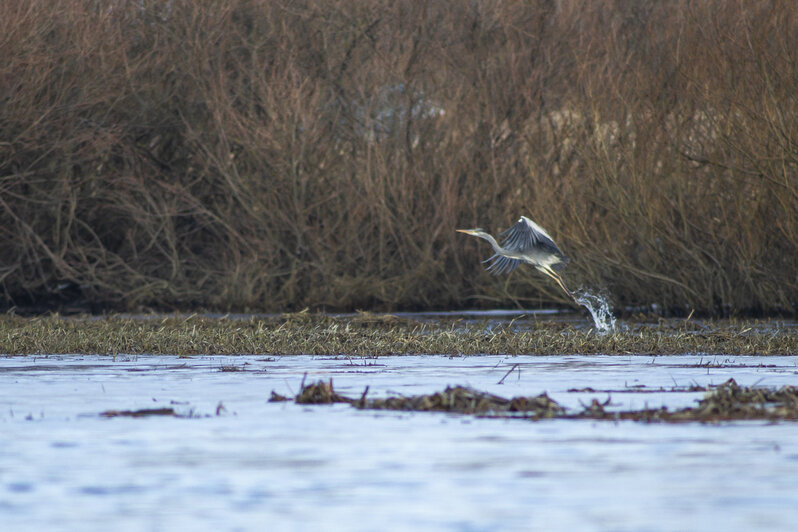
{"x":256,"y":155}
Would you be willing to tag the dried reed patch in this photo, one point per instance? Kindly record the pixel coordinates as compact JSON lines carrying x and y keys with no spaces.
{"x":313,"y":334}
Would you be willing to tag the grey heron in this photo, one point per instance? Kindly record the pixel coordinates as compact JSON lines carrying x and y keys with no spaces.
{"x":525,"y":242}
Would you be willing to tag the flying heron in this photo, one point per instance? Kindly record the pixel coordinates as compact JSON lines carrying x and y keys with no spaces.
{"x":525,"y":242}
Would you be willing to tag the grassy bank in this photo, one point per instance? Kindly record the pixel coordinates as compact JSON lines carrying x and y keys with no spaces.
{"x":370,"y":335}
{"x":256,"y":155}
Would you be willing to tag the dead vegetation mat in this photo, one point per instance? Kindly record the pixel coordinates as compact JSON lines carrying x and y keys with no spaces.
{"x":725,"y":402}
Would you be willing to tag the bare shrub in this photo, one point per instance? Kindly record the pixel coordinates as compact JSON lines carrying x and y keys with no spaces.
{"x":256,"y":155}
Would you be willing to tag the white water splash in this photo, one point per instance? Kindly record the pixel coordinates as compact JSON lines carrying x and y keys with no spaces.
{"x":599,"y":309}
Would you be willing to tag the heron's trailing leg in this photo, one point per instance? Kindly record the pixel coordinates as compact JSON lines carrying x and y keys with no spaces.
{"x":554,"y":275}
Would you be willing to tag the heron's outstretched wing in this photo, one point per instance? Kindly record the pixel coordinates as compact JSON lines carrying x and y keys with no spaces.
{"x":527,"y":236}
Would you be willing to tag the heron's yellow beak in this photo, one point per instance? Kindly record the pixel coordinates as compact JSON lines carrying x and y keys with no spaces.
{"x":466,"y":231}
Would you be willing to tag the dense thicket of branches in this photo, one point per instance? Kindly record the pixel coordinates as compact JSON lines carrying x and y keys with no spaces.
{"x":264,"y":155}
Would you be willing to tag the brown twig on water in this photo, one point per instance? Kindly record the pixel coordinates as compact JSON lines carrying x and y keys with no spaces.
{"x":510,"y":371}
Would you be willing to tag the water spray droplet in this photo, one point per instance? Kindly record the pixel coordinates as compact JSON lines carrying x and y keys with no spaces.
{"x":599,"y":309}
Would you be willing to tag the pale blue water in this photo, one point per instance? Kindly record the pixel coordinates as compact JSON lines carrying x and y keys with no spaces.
{"x":281,"y":466}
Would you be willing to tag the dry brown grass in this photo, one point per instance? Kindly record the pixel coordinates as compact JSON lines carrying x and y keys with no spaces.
{"x":306,"y":334}
{"x":267,"y":156}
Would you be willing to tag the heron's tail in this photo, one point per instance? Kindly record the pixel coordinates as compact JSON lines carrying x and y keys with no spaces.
{"x":561,"y":264}
{"x":501,"y":264}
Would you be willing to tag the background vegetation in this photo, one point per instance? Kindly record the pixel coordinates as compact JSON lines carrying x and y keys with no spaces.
{"x":262,"y":155}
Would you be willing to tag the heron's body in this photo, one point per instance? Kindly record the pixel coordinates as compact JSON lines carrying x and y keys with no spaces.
{"x":524,"y":242}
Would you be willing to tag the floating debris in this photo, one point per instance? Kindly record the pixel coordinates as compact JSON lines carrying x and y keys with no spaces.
{"x":730,"y":401}
{"x":231,"y":368}
{"x":726,"y":402}
{"x":464,"y":400}
{"x":144,"y":412}
{"x":319,"y":394}
{"x":277,"y":398}
{"x":643,"y":389}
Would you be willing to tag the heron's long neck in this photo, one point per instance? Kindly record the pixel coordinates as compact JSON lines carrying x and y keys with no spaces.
{"x":496,"y":247}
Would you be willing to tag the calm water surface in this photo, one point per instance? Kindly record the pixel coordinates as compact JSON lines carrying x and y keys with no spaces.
{"x":279,"y":466}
